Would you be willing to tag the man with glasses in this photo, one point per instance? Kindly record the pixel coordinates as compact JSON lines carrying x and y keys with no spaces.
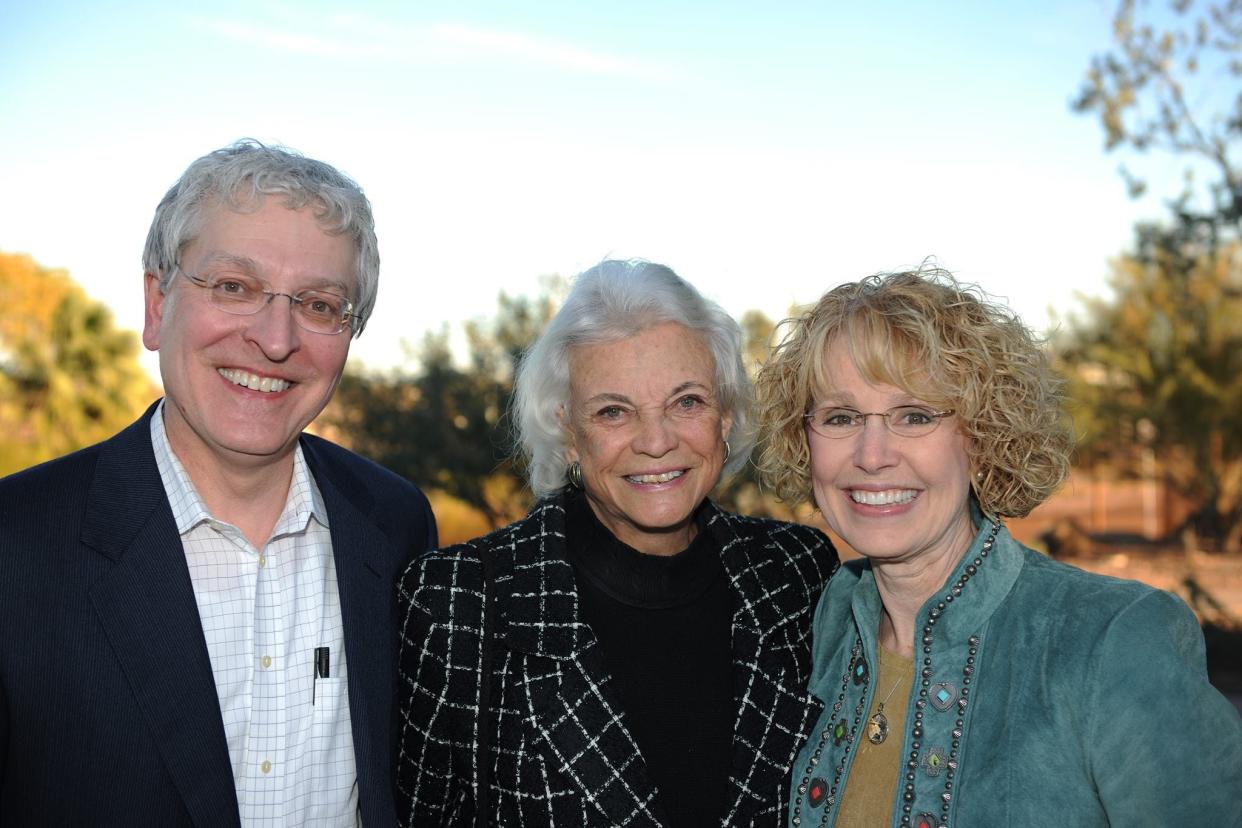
{"x":199,"y":613}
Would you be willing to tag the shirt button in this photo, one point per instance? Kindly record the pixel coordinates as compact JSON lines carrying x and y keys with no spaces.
{"x":266,"y":767}
{"x":262,"y":561}
{"x":267,"y":662}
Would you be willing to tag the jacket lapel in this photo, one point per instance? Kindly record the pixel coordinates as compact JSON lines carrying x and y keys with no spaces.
{"x":147,"y":608}
{"x":775,"y":711}
{"x":571,"y":702}
{"x":359,"y":550}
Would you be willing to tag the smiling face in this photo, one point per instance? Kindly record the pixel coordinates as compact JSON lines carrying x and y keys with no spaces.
{"x":891,"y":498}
{"x":240,"y":389}
{"x":646,"y":426}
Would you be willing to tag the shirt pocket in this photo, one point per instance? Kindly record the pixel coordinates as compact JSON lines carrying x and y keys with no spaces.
{"x":333,"y":798}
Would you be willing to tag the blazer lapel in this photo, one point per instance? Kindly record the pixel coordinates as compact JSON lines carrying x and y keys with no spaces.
{"x":578,"y":716}
{"x":147,"y":608}
{"x":775,"y":711}
{"x":571,"y":702}
{"x":359,"y":550}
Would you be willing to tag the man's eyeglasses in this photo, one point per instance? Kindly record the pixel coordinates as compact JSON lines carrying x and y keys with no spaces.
{"x":317,"y":311}
{"x":904,"y":420}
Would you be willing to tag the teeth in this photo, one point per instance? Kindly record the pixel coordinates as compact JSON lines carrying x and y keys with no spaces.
{"x":655,"y":478}
{"x":252,"y":381}
{"x":885,"y":498}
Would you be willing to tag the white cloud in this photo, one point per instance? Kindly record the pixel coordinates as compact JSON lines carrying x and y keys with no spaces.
{"x":539,"y":50}
{"x":305,"y":43}
{"x":351,"y":36}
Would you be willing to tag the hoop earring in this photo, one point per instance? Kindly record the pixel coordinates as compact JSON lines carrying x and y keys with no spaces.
{"x":574,"y":473}
{"x":728,"y":451}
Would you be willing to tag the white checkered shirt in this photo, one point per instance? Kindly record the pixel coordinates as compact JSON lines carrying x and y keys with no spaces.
{"x":264,"y":612}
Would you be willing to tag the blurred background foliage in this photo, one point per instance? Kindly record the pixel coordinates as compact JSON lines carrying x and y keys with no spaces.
{"x":1155,"y":380}
{"x":445,"y":425}
{"x":68,"y":376}
{"x":1156,"y":369}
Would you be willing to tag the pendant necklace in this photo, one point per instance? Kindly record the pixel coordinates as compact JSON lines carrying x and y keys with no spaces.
{"x":877,"y":723}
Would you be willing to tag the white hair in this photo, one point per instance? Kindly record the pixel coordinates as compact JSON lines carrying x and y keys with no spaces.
{"x":616,"y":300}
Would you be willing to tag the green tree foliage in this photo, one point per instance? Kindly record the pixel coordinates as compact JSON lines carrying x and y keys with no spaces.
{"x":440,"y":427}
{"x":443,"y":426}
{"x":68,"y":376}
{"x":1156,"y":370}
{"x":1156,"y":377}
{"x":1173,"y":83}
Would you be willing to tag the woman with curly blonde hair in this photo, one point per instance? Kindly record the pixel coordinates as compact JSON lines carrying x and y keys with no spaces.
{"x":966,"y":679}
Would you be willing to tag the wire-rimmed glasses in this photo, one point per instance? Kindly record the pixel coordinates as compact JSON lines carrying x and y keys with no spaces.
{"x":241,"y":294}
{"x":836,"y":422}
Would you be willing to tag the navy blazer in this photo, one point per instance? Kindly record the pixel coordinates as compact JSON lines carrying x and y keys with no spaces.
{"x":108,"y":707}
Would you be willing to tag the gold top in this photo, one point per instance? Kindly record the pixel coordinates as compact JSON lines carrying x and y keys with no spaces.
{"x":870,"y":790}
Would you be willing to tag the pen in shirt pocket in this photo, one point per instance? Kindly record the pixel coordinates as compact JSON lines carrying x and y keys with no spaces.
{"x":321,"y":668}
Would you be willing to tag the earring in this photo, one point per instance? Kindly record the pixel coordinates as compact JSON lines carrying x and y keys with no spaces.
{"x":574,"y":473}
{"x":727,"y":452}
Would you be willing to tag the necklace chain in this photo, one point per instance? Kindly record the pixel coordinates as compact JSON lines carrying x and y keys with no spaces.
{"x":877,"y":722}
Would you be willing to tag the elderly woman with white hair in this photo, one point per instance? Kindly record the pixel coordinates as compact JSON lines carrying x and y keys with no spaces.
{"x":628,"y":654}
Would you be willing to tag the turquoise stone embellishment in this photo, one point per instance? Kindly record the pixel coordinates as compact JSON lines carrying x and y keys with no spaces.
{"x":943,"y":695}
{"x":861,"y":673}
{"x":934,"y":761}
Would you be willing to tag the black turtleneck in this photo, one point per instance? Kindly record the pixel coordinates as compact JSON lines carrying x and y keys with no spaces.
{"x":664,"y":624}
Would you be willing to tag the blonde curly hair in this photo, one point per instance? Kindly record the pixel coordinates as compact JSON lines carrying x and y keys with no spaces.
{"x":944,"y":343}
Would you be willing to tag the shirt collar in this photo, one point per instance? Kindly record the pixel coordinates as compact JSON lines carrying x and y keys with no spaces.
{"x":303,"y":503}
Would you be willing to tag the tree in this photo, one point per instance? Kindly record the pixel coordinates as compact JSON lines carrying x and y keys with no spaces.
{"x":68,"y":376}
{"x":1158,"y":368}
{"x":1172,"y":84}
{"x":445,"y":427}
{"x":437,"y":427}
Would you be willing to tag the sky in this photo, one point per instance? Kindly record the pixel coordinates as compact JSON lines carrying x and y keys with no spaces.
{"x":766,"y":152}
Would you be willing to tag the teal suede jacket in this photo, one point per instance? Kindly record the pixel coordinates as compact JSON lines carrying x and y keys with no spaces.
{"x":1042,"y":695}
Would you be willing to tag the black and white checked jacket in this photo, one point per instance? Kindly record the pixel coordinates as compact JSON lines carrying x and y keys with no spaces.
{"x":561,"y":752}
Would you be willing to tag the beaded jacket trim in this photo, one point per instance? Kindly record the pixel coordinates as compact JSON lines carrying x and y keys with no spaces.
{"x":818,"y":792}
